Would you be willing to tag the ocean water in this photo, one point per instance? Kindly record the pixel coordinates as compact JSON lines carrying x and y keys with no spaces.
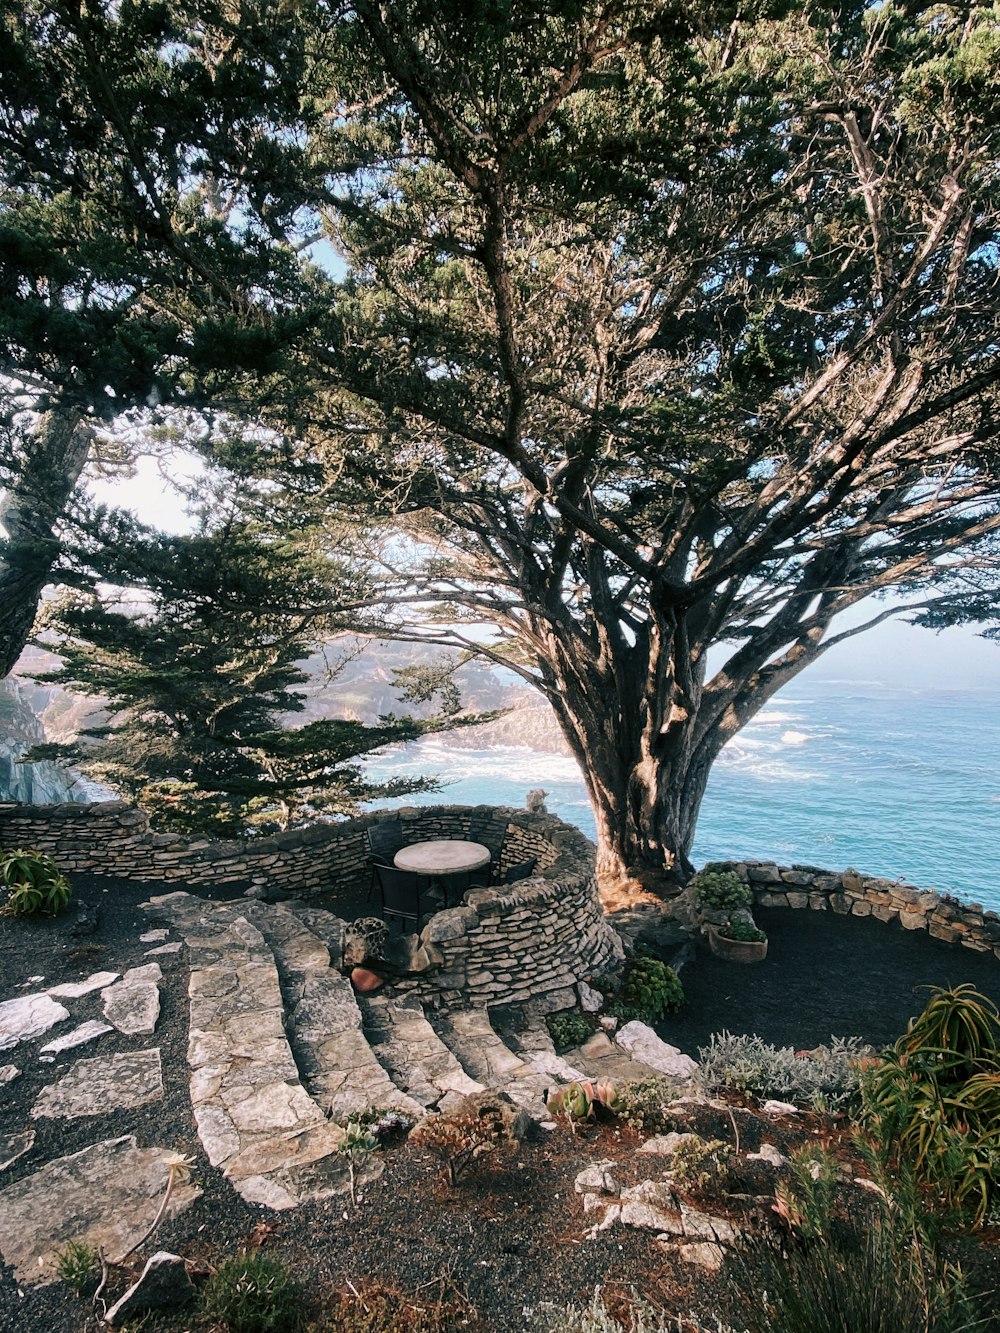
{"x":900,"y":783}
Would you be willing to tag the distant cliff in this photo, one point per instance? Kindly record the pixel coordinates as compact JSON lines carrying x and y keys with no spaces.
{"x":20,"y":729}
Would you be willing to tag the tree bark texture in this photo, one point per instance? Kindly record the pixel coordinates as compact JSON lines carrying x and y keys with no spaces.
{"x":30,"y":512}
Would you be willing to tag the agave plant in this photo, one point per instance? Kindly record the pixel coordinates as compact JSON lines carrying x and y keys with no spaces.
{"x":935,"y":1100}
{"x":34,"y":884}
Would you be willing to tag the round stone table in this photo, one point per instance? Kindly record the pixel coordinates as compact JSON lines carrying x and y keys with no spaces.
{"x":443,"y":856}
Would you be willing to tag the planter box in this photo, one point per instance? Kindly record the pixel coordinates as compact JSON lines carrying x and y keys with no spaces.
{"x":736,"y":951}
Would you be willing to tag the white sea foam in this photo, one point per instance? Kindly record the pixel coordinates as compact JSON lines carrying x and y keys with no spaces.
{"x":794,"y":738}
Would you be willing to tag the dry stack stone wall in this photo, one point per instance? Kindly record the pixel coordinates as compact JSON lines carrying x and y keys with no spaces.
{"x":532,"y":939}
{"x":941,"y":915}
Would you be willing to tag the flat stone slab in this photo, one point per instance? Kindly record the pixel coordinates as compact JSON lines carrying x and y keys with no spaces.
{"x":74,"y":990}
{"x":28,"y":1017}
{"x":88,"y":1031}
{"x":163,"y":949}
{"x":107,"y":1195}
{"x":13,"y":1146}
{"x":133,"y":1007}
{"x":93,"y":1087}
{"x":153,"y":936}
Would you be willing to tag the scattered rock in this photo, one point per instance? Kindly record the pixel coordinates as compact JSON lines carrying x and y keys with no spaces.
{"x":176,"y":947}
{"x":153,"y":936}
{"x":769,"y":1154}
{"x":94,"y":1087}
{"x":164,"y":1285}
{"x":772,"y":1107}
{"x":28,"y":1017}
{"x":597,"y":1179}
{"x":666,"y":1145}
{"x":8,"y":1073}
{"x":86,"y":921}
{"x":642,"y":1043}
{"x":107,"y":1195}
{"x":13,"y":1146}
{"x":704,"y":1254}
{"x":74,"y":990}
{"x":590,"y":999}
{"x":88,"y":1031}
{"x":608,"y":1023}
{"x":132,"y":1006}
{"x":366,"y":981}
{"x":146,"y":972}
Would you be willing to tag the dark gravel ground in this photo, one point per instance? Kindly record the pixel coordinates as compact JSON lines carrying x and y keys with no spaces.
{"x":824,"y":975}
{"x":501,"y":1242}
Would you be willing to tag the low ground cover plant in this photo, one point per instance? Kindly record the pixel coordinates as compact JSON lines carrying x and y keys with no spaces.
{"x":829,"y":1074}
{"x":254,"y":1293}
{"x":569,"y":1029}
{"x":644,"y":1105}
{"x":31,"y":884}
{"x":648,"y":990}
{"x":79,"y":1266}
{"x":744,"y":931}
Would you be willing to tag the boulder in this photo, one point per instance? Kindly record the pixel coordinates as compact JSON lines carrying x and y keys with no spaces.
{"x":642,"y":1043}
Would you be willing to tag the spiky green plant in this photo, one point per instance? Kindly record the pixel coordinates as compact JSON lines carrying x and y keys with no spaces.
{"x":33,"y":884}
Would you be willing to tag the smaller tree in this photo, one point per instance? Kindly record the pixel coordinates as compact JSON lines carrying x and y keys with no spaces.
{"x":194,"y":656}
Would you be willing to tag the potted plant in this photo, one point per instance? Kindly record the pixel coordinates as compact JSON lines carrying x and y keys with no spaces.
{"x":738,"y":942}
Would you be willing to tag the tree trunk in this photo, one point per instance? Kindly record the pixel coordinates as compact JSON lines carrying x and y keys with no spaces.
{"x":30,"y":511}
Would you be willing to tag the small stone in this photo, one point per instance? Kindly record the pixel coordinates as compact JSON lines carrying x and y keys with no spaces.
{"x":597,"y":1179}
{"x":74,"y":990}
{"x":769,"y":1154}
{"x":146,"y":972}
{"x":164,"y":949}
{"x":133,"y":1007}
{"x":153,"y":936}
{"x":28,"y":1017}
{"x":642,"y":1043}
{"x":88,"y":1031}
{"x":608,"y":1023}
{"x":772,"y":1107}
{"x":164,"y":1285}
{"x":366,"y":982}
{"x":664,"y":1145}
{"x":8,"y":1073}
{"x":704,"y":1254}
{"x":13,"y":1146}
{"x":591,"y":1000}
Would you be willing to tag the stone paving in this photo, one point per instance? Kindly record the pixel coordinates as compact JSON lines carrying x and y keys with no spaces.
{"x":279,"y":1049}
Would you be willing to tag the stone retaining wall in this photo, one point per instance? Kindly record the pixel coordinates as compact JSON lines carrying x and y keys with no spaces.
{"x":853,"y":893}
{"x":532,"y":939}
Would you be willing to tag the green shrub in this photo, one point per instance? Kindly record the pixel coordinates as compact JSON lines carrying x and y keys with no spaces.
{"x":697,"y":1163}
{"x":934,"y":1103}
{"x":254,"y":1294}
{"x":569,"y":1029}
{"x":642,"y":1104}
{"x":749,"y":1064}
{"x":79,"y":1265}
{"x":722,"y":890}
{"x":33,"y":884}
{"x":648,"y":990}
{"x":745,"y":931}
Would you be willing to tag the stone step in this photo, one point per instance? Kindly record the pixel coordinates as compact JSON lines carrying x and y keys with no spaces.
{"x":470,"y":1036}
{"x":411,"y":1051}
{"x":323,"y":924}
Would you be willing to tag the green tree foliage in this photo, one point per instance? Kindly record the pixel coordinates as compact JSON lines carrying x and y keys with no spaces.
{"x":655,"y":328}
{"x":197,"y":663}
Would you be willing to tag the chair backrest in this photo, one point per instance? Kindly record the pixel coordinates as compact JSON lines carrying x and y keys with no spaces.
{"x":400,"y":890}
{"x":523,"y":870}
{"x":489,"y":832}
{"x":385,"y":838}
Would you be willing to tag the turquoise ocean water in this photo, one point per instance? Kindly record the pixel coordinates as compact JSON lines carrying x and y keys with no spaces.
{"x":901,"y":783}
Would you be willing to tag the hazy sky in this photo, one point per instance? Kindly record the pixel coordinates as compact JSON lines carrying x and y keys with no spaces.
{"x":892,"y":654}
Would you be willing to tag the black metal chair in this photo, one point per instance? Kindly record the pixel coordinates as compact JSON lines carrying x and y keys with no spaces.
{"x":523,"y":870}
{"x":490,"y":833}
{"x":384,"y":841}
{"x":400,"y":893}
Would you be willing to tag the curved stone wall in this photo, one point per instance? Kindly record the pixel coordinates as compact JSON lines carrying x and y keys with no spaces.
{"x":528,"y":940}
{"x":853,"y":893}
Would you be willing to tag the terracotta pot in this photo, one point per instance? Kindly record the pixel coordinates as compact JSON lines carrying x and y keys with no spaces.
{"x":736,"y":951}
